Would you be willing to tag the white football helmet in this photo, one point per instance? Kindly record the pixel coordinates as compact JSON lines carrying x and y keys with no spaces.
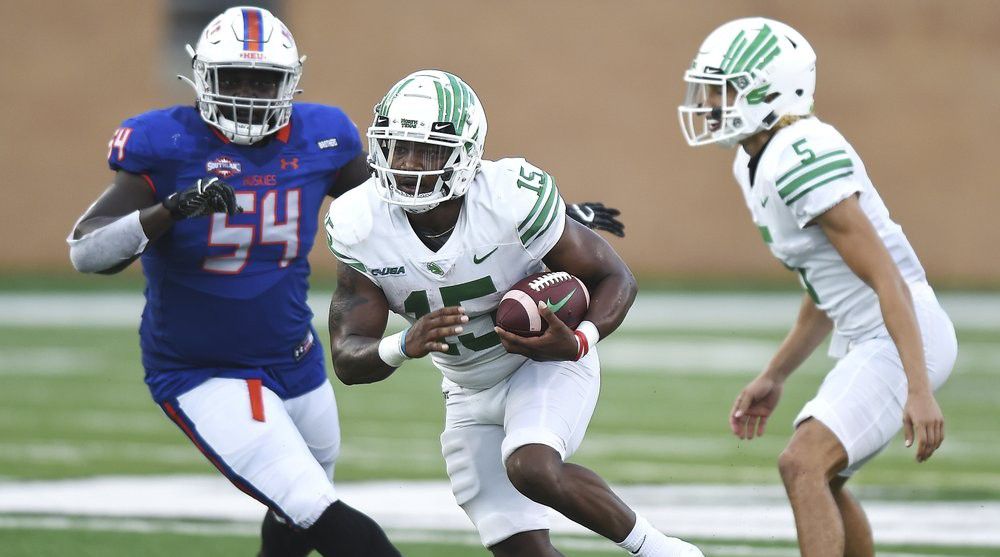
{"x":245,"y":38}
{"x":747,"y":75}
{"x":440,"y":111}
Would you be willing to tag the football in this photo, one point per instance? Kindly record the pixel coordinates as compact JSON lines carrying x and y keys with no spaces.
{"x":565,"y":295}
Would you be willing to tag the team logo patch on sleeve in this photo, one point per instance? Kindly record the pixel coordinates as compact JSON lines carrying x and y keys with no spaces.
{"x":223,"y":167}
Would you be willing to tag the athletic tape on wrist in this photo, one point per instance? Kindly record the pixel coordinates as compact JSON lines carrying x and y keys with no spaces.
{"x":391,"y":350}
{"x":587,"y":336}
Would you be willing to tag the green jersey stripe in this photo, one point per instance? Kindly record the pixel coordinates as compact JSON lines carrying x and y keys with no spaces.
{"x":765,"y":32}
{"x":823,"y":183}
{"x":808,"y":164}
{"x":543,"y":194}
{"x":552,"y":221}
{"x":543,"y":216}
{"x":812,"y":175}
{"x":341,"y":256}
{"x":349,"y":261}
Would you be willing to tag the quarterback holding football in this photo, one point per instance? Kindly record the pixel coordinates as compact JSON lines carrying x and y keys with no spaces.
{"x":438,"y":236}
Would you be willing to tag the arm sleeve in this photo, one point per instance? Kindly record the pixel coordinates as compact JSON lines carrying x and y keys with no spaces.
{"x":539,"y":210}
{"x":814,"y":174}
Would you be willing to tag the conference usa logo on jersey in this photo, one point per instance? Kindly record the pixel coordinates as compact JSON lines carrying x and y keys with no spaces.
{"x":389,"y":271}
{"x":223,"y":167}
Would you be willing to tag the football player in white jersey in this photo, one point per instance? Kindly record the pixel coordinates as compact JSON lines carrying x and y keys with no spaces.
{"x":751,"y":86}
{"x":438,"y":236}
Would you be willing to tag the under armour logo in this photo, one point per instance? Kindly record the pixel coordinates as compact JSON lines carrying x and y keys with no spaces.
{"x":293,"y":163}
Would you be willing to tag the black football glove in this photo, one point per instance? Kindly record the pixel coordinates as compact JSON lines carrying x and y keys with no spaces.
{"x":596,"y":216}
{"x":205,"y":196}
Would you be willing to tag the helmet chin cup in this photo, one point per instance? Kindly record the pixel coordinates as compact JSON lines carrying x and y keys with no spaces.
{"x":417,"y":209}
{"x":242,"y":134}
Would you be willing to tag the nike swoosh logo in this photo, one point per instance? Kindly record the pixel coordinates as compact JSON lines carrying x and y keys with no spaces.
{"x":477,"y":260}
{"x":438,"y":127}
{"x":763,"y":202}
{"x":554,"y":308}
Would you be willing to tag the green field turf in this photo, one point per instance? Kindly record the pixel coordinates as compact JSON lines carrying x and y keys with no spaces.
{"x":101,"y":543}
{"x":73,"y":404}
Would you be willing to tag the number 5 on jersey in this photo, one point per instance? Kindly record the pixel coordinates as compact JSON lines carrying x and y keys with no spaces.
{"x":267,"y":231}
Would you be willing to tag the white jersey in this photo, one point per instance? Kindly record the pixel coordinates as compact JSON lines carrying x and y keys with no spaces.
{"x":806,"y":169}
{"x":511,"y":217}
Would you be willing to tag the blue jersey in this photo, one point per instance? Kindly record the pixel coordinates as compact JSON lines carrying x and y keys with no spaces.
{"x":226,"y":295}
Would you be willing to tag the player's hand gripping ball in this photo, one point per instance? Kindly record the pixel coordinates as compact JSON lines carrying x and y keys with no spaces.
{"x":565,"y":295}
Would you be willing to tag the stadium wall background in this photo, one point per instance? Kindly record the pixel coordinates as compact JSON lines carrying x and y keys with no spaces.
{"x":585,"y":89}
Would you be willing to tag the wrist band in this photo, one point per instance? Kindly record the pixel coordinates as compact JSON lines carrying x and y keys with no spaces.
{"x":391,"y":349}
{"x":587,"y":336}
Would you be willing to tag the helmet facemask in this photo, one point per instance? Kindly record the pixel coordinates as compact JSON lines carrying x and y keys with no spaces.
{"x":245,"y":119}
{"x":719,"y":102}
{"x":405,"y":160}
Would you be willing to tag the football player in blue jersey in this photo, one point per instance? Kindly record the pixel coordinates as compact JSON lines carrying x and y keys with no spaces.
{"x":221,"y":200}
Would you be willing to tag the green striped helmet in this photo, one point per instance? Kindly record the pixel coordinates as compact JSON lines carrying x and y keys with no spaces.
{"x":747,"y":75}
{"x":426,"y":142}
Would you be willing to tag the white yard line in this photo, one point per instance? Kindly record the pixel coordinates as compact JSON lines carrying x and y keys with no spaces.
{"x":252,"y":530}
{"x":693,"y":311}
{"x":704,"y":512}
{"x":662,"y":355}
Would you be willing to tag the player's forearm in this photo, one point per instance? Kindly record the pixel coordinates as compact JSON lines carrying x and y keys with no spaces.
{"x":810,"y":328}
{"x":610,"y":300}
{"x":156,"y":221}
{"x":108,"y":244}
{"x":356,"y":360}
{"x":901,"y":322}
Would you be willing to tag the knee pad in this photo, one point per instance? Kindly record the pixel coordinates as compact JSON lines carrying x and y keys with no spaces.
{"x":481,"y":487}
{"x":459,"y":460}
